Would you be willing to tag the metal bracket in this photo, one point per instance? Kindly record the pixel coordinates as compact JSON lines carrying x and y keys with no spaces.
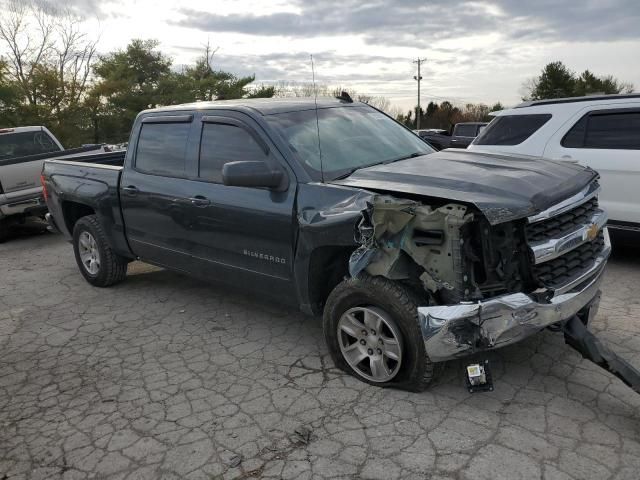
{"x":578,"y":337}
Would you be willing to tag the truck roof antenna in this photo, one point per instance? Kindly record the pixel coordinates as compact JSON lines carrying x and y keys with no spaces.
{"x":315,"y":99}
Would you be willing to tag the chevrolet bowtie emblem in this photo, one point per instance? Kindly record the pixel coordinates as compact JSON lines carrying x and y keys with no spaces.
{"x":592,"y":232}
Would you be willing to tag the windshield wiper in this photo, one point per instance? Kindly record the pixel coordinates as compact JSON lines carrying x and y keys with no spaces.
{"x":351,"y":170}
{"x":404,"y":157}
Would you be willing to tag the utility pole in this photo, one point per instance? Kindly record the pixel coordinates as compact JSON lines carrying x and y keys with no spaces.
{"x":418,"y":78}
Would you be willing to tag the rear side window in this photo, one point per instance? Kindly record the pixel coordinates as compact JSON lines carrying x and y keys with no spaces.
{"x":465,"y":130}
{"x":575,"y":137}
{"x":161,"y":148}
{"x":222,"y":144}
{"x":511,"y":129}
{"x":611,"y":130}
{"x":13,"y":145}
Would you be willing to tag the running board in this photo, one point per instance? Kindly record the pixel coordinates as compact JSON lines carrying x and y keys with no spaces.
{"x":578,"y":337}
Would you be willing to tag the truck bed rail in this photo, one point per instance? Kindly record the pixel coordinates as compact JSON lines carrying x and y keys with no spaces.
{"x":49,"y":155}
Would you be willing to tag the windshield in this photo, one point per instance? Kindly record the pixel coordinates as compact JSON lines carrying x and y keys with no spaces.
{"x":13,"y":145}
{"x":511,"y":129}
{"x":350,"y":138}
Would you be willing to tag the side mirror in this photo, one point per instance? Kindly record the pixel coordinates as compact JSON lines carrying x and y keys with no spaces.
{"x":251,"y":174}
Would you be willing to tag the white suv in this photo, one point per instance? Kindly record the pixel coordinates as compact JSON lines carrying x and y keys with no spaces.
{"x":601,"y":132}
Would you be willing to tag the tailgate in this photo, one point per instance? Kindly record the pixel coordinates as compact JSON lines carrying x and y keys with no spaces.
{"x":18,"y":179}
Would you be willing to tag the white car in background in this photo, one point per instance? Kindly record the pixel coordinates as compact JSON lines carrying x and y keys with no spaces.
{"x":601,"y":132}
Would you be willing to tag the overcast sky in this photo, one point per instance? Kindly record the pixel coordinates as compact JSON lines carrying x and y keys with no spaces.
{"x":476,"y":51}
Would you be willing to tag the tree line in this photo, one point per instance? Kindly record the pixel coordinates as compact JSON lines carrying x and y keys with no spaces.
{"x":445,"y":115}
{"x":555,"y":80}
{"x":52,"y":74}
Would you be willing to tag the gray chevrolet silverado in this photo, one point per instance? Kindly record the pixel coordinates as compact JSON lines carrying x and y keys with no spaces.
{"x":412,"y":256}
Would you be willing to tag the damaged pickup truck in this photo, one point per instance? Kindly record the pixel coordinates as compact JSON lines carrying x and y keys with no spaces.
{"x":413,"y":257}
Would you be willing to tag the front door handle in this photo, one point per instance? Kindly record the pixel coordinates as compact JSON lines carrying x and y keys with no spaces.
{"x":199,"y":201}
{"x":569,"y":158}
{"x":131,"y":189}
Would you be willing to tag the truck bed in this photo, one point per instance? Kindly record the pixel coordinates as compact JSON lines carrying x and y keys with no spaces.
{"x":115,"y":159}
{"x":50,"y":155}
{"x":89,"y":186}
{"x":19,"y":177}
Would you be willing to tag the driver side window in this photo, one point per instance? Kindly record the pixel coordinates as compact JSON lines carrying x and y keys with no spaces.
{"x":223,"y":143}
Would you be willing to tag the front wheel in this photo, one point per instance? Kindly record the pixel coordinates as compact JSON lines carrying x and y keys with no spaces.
{"x":97,"y":262}
{"x":371,"y":328}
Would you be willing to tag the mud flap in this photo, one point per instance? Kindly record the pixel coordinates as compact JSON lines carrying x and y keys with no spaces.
{"x":577,"y":336}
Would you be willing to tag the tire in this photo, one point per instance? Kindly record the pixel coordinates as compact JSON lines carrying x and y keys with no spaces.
{"x":397,"y":308}
{"x":104,"y":267}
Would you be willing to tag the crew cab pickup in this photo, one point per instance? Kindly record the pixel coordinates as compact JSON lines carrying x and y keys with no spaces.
{"x":412,"y":256}
{"x":23,"y":150}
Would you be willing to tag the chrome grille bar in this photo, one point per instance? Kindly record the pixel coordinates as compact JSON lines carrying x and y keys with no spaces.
{"x":570,"y":203}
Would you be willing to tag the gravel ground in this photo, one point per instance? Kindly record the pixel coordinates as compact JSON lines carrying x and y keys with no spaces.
{"x":164,"y":377}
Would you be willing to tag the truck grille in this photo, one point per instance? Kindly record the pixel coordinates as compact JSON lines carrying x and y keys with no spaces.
{"x":561,"y":270}
{"x":562,"y":224}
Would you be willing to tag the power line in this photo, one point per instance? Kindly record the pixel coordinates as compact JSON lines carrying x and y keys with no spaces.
{"x":418,"y":78}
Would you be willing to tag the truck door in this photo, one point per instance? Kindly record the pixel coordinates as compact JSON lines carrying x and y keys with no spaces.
{"x":154,"y":193}
{"x":240,"y":235}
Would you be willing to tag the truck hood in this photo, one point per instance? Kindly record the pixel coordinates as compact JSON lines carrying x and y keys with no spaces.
{"x":503,"y":187}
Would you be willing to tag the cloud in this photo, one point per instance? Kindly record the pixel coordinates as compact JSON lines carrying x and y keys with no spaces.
{"x":82,"y":8}
{"x":409,"y":20}
{"x":296,"y":66}
{"x":416,"y":23}
{"x":596,"y":21}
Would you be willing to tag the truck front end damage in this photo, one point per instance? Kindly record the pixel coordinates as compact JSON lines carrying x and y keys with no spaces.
{"x":487,"y":285}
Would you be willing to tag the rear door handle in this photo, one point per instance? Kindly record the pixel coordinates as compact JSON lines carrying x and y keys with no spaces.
{"x":131,"y":189}
{"x":199,"y":201}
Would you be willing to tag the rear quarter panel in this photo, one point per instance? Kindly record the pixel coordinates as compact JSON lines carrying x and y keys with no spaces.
{"x":94,"y":186}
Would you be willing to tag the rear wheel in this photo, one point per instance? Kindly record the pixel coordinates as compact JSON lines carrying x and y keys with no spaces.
{"x":372,"y":331}
{"x":97,"y":262}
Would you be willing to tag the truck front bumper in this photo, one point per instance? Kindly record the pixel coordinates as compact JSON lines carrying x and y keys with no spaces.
{"x":458,"y":330}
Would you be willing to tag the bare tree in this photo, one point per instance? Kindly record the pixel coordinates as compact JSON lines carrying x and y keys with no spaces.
{"x":528,"y":86}
{"x":394,"y":111}
{"x":288,"y":89}
{"x":49,"y":56}
{"x":302,"y":89}
{"x":209,"y":53}
{"x":74,"y":54}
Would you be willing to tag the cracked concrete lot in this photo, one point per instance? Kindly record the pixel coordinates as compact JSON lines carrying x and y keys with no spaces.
{"x":166,"y":377}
